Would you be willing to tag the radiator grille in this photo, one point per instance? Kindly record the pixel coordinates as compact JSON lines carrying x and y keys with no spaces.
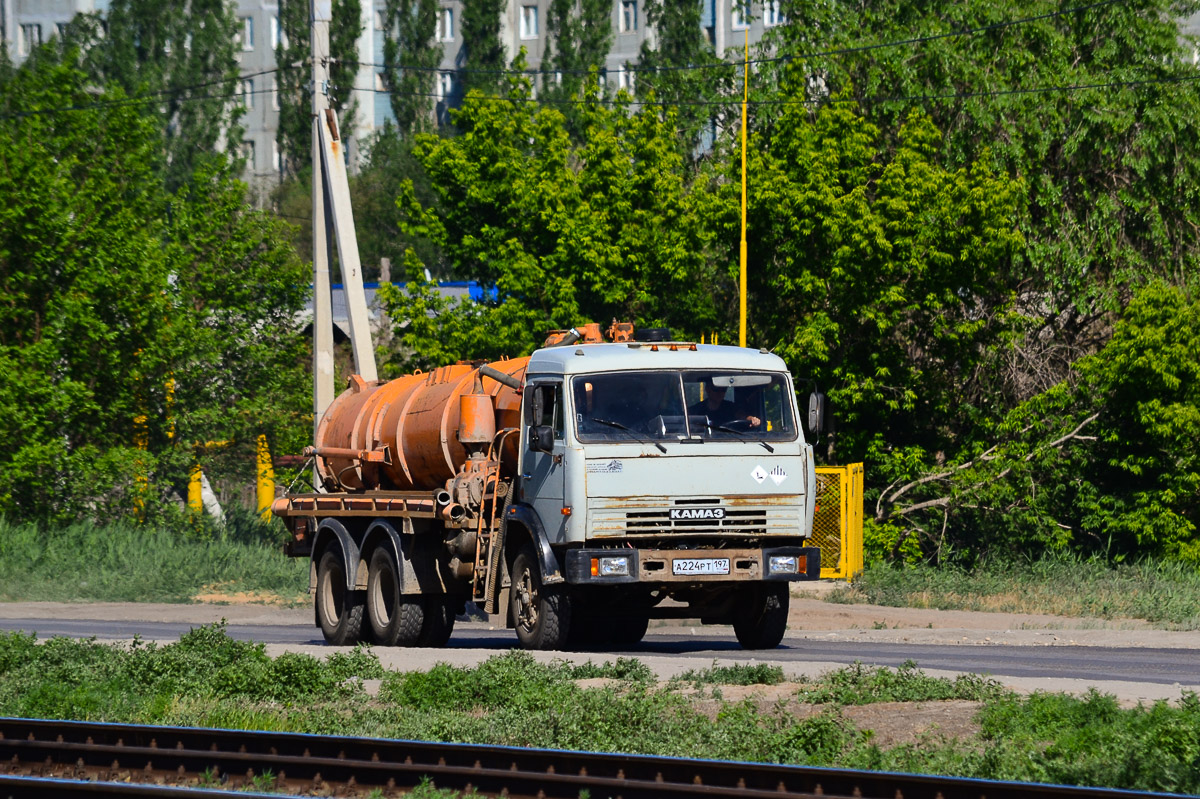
{"x":652,"y":517}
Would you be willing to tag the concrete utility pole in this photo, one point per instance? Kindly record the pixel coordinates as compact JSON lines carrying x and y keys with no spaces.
{"x":322,"y":13}
{"x":331,"y":203}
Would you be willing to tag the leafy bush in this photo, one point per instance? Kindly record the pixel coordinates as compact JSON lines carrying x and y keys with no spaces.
{"x":735,"y":674}
{"x":1093,"y":741}
{"x":861,"y":685}
{"x":66,"y":678}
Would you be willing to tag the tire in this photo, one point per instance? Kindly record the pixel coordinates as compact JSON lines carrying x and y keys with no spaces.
{"x":396,"y":618}
{"x":339,"y":610}
{"x":762,"y":616}
{"x":439,"y":622}
{"x":540,"y":613}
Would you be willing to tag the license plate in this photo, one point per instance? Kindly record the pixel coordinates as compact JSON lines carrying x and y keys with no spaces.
{"x":700,"y":566}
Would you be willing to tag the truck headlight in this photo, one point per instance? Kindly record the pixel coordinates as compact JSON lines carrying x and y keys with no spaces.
{"x":610,"y":566}
{"x":783,"y":564}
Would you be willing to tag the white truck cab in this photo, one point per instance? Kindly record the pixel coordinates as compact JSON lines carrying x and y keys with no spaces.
{"x":662,"y":479}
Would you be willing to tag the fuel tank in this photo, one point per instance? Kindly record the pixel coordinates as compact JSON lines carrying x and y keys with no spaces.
{"x":418,"y":418}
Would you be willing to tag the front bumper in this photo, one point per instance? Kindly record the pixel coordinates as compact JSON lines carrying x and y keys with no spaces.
{"x":654,"y":566}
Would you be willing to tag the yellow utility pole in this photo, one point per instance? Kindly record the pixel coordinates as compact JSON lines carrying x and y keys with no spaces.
{"x":742,"y":276}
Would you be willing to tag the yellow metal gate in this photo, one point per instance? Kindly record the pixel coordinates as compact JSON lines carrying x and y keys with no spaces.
{"x":837,"y":526}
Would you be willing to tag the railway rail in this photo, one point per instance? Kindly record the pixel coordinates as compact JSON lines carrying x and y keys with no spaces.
{"x":45,"y":758}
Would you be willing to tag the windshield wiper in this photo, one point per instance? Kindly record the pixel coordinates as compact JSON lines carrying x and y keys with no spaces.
{"x":619,"y":426}
{"x":741,"y":434}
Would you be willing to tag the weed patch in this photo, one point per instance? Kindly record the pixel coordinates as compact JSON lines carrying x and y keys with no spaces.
{"x":861,"y":685}
{"x":735,"y":674}
{"x":1165,"y":593}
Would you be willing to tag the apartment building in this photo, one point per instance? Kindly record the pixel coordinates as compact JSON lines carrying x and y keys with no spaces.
{"x":25,"y":24}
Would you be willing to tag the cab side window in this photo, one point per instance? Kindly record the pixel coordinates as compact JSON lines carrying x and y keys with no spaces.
{"x":545,"y":407}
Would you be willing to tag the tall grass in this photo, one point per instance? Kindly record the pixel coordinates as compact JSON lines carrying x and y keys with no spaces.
{"x":207,"y":679}
{"x":129,"y":563}
{"x":1166,"y":593}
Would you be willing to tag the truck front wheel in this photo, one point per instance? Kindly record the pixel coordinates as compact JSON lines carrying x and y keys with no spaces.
{"x":761,"y":616}
{"x":396,"y":618}
{"x":339,"y":610}
{"x":541,"y":613}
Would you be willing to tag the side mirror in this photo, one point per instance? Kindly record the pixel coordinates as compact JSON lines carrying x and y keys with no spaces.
{"x":816,"y":413}
{"x":533,"y":405}
{"x":541,"y":438}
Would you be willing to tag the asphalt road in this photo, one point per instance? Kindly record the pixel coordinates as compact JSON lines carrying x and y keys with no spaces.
{"x":1089,"y":663}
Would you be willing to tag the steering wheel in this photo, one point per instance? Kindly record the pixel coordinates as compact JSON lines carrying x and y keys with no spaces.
{"x":739,"y":425}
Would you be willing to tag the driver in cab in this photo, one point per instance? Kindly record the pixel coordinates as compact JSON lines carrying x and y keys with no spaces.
{"x":719,"y":410}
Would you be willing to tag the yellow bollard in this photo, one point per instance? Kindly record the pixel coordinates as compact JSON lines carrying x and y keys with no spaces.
{"x":195,"y":487}
{"x":266,"y":479}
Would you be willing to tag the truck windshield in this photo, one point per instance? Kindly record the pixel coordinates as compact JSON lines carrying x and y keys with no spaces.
{"x":668,"y":406}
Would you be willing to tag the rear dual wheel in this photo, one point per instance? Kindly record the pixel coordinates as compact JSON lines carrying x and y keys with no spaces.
{"x":399,"y":619}
{"x":339,"y":609}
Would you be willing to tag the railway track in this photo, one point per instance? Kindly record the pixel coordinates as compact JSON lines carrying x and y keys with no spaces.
{"x":44,"y":758}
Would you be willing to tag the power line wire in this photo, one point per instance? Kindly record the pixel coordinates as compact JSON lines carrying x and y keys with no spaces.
{"x":775,"y":59}
{"x":152,"y":97}
{"x":808,"y":102}
{"x":155,"y":96}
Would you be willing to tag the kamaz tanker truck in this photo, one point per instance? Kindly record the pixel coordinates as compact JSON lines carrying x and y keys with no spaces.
{"x":576,"y":494}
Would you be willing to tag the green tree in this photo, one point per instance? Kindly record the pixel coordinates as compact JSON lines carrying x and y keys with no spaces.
{"x":377,"y":219}
{"x":578,"y":38}
{"x":563,"y":232}
{"x":482,"y":52}
{"x":293,"y":55}
{"x":880,"y":274}
{"x":679,"y":67}
{"x":411,"y":55}
{"x":181,"y":53}
{"x":1097,"y":109}
{"x":134,"y":323}
{"x":1107,"y":462}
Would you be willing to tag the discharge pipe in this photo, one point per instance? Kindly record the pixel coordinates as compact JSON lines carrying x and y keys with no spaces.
{"x":500,"y":377}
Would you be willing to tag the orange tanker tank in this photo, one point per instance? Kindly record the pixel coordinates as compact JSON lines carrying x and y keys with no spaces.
{"x":416,"y":432}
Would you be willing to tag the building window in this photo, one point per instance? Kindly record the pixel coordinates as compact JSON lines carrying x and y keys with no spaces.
{"x":445,"y":31}
{"x":248,"y":154}
{"x":277,"y":157}
{"x":248,"y":92}
{"x":445,"y":85}
{"x":380,"y":20}
{"x":61,"y":29}
{"x":628,"y":22}
{"x":625,"y":79}
{"x":245,"y":37}
{"x":275,"y":94}
{"x":739,"y":15}
{"x":30,"y":37}
{"x":276,"y":33}
{"x":529,"y":22}
{"x":772,"y":14}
